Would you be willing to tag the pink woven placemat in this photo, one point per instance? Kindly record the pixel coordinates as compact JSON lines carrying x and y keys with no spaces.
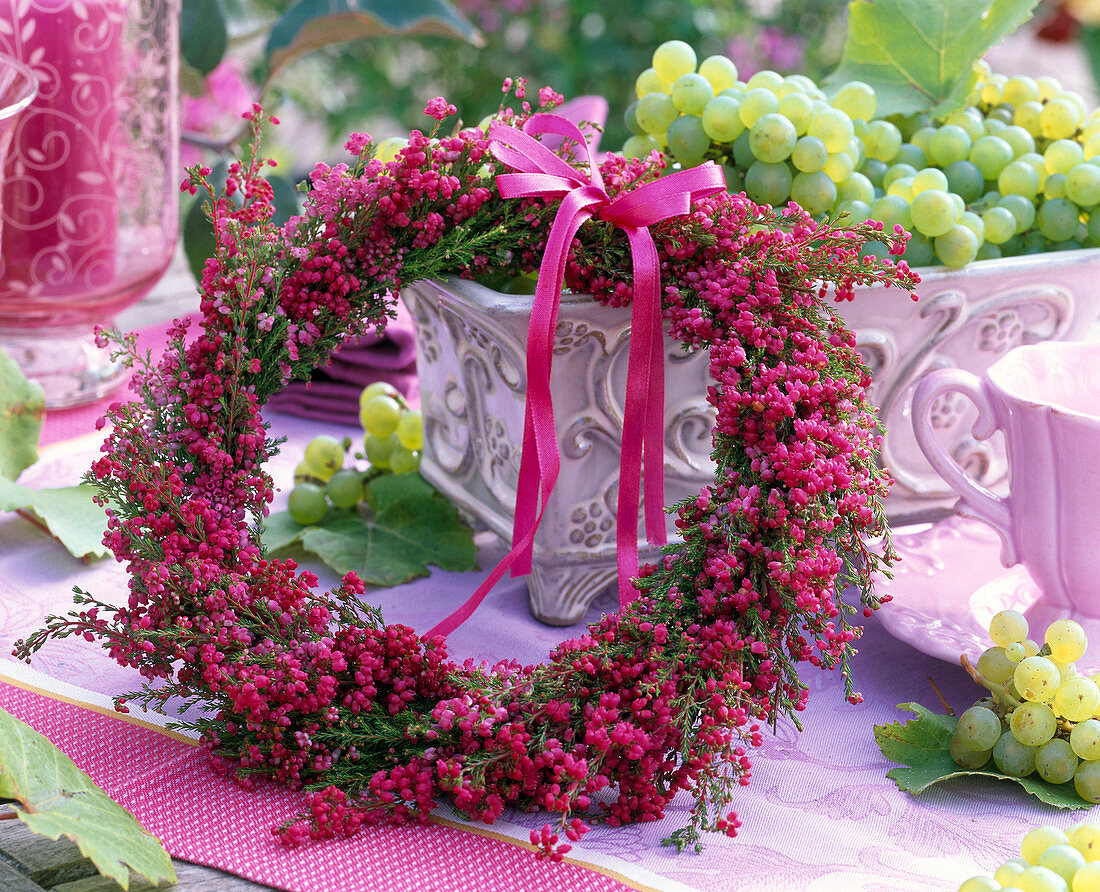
{"x":208,"y":820}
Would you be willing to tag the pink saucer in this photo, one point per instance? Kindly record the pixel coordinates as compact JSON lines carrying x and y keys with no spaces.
{"x":950,"y":582}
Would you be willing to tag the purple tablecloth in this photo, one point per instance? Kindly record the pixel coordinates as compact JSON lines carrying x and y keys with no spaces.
{"x":820,"y":813}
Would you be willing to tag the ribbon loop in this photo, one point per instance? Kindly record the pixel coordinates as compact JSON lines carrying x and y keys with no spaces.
{"x":539,"y":173}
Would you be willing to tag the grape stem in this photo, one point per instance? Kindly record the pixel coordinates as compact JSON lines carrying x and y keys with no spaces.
{"x":946,"y":706}
{"x":1000,"y":691}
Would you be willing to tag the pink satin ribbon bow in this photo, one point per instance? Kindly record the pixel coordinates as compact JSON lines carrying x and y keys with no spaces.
{"x":539,"y":173}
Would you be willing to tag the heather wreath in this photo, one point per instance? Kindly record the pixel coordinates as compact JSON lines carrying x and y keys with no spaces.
{"x":377,"y":723}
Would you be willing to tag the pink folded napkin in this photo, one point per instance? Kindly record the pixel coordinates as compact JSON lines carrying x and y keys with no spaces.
{"x":332,"y":393}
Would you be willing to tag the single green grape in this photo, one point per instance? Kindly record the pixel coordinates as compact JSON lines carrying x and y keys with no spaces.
{"x":809,"y":154}
{"x":1066,"y":640}
{"x":966,"y":757}
{"x":1083,"y":185}
{"x":798,"y":108}
{"x":1037,"y":679}
{"x":1085,"y":740}
{"x":323,"y":456}
{"x":379,"y":449}
{"x":722,"y":121}
{"x":1087,"y":878}
{"x":1077,"y":699}
{"x":814,"y":192}
{"x":957,"y":247}
{"x":650,"y":82}
{"x":1087,"y":781}
{"x":1008,"y":626}
{"x":772,"y":137}
{"x":1041,"y":879}
{"x":833,"y":127}
{"x":979,"y":728}
{"x":965,"y":179}
{"x":636,"y":147}
{"x":756,"y":103}
{"x":655,"y":112}
{"x":720,"y":71}
{"x":378,"y":388}
{"x":410,"y":430}
{"x":672,"y":59}
{"x":934,"y":212}
{"x":949,"y":143}
{"x":1033,"y":724}
{"x":1085,"y":838}
{"x":379,"y":415}
{"x":857,"y":99}
{"x":687,"y":140}
{"x":995,"y":666}
{"x":306,"y":503}
{"x":1014,"y":758}
{"x":767,"y":183}
{"x":403,"y":461}
{"x":991,"y":154}
{"x":1039,"y":839}
{"x":1059,"y":119}
{"x":345,"y":488}
{"x":1056,"y":763}
{"x":856,"y":188}
{"x":691,"y":92}
{"x":1010,"y":871}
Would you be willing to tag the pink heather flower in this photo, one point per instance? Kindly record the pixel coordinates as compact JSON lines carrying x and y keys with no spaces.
{"x":439,"y":108}
{"x":357,"y":143}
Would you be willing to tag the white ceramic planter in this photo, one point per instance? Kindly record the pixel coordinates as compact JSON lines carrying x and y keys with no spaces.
{"x":471,"y":366}
{"x":965,"y":319}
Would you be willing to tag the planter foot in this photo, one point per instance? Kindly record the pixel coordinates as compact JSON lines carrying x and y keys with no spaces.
{"x":560,"y":595}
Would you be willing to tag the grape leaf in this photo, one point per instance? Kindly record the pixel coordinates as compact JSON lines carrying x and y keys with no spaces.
{"x":22,"y":409}
{"x":920,"y":745}
{"x":55,"y":798}
{"x":311,"y":24}
{"x":409,"y":525}
{"x":68,"y":513}
{"x":919,"y":54}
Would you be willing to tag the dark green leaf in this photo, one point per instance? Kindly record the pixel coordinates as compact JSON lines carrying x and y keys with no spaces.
{"x":1089,"y":39}
{"x":204,"y":37}
{"x":409,"y":527}
{"x":921,"y":746}
{"x":55,"y":799}
{"x":22,"y":410}
{"x":311,"y":24}
{"x":919,"y":54}
{"x":67,"y":512}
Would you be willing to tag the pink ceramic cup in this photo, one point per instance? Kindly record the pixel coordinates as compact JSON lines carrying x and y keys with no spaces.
{"x":1045,"y":398}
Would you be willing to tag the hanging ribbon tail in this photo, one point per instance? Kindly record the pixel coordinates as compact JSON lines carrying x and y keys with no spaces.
{"x":538,"y":172}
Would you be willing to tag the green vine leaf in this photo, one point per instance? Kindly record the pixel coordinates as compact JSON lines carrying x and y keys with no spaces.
{"x":204,"y":36}
{"x":919,"y":54}
{"x":920,"y":745}
{"x":55,"y":799}
{"x":68,"y":513}
{"x":22,"y":410}
{"x":312,"y":24}
{"x":409,"y":526}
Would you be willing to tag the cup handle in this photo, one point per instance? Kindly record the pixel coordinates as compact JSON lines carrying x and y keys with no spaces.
{"x":975,"y":500}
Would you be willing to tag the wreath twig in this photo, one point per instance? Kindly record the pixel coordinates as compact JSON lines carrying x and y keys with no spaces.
{"x":315,"y":690}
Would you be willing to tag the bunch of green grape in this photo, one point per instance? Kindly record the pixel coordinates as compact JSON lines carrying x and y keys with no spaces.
{"x":392,"y":440}
{"x":1051,"y":860}
{"x":1017,"y":171}
{"x":1041,"y":717}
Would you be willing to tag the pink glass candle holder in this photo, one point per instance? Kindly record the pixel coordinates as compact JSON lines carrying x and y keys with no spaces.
{"x":90,"y":196}
{"x":18,"y":87}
